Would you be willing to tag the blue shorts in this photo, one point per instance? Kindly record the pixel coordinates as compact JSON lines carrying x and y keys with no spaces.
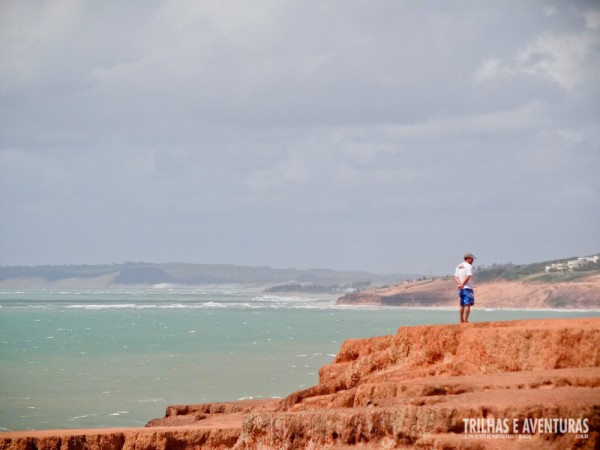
{"x":467,"y":297}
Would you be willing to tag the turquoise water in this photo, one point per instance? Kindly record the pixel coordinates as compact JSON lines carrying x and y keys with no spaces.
{"x":117,"y":358}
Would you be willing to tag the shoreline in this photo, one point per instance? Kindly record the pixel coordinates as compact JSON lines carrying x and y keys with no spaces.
{"x":455,"y":308}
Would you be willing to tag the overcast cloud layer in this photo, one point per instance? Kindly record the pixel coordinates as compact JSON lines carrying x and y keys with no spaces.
{"x":390,"y":136}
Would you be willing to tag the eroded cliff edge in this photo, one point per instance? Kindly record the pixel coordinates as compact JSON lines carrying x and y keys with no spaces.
{"x":419,"y":388}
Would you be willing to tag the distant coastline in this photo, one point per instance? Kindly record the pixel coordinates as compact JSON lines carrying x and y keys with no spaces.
{"x":161,"y":275}
{"x":583,"y":293}
{"x":563,"y":284}
{"x":560,"y":284}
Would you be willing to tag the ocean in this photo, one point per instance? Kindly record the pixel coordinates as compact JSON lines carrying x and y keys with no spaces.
{"x":90,"y":358}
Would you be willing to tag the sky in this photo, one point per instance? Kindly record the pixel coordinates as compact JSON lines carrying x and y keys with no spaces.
{"x":389,"y":136}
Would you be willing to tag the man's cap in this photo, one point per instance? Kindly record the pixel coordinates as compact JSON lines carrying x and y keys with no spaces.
{"x":470,"y":255}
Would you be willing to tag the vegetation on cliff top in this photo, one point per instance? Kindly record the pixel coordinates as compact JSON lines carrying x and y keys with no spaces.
{"x":536,"y":272}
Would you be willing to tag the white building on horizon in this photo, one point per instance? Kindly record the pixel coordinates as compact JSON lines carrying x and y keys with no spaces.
{"x":569,"y":266}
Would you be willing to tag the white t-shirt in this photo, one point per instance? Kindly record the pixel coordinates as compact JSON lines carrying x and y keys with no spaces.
{"x":463,"y":270}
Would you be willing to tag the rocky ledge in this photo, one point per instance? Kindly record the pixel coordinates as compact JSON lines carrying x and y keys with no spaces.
{"x":531,"y":384}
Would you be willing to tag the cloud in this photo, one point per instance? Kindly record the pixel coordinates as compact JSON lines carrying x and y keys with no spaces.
{"x":566,"y":59}
{"x":27,"y":50}
{"x":291,"y":170}
{"x":349,"y":134}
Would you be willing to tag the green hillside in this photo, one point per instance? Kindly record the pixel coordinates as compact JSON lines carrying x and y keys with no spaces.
{"x":543,"y":272}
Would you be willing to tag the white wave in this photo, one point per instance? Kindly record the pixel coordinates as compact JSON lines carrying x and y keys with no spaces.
{"x":214,"y":305}
{"x":102,"y":306}
{"x":282,"y":298}
{"x":150,"y":400}
{"x":84,"y":416}
{"x":29,"y":306}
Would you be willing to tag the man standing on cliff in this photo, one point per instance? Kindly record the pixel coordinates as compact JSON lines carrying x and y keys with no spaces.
{"x":463,"y":277}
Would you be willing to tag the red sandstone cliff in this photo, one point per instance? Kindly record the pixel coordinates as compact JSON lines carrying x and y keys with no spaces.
{"x":414,"y":389}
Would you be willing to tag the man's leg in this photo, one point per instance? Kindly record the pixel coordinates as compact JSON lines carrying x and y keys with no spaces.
{"x":462,"y":310}
{"x":467,"y":311}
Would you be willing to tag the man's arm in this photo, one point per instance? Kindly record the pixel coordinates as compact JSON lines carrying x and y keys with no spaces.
{"x":461,"y":284}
